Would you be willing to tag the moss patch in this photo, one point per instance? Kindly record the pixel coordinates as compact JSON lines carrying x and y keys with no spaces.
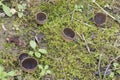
{"x":67,"y":60}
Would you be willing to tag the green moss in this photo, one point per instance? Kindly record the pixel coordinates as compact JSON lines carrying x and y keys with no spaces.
{"x":66,"y":59}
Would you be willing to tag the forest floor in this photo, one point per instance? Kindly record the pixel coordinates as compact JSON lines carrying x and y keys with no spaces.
{"x":94,"y":55}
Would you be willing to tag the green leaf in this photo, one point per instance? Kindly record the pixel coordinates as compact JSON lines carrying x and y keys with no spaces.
{"x":20,"y":14}
{"x":42,"y":73}
{"x":46,"y":66}
{"x":7,"y":10}
{"x":21,"y":7}
{"x":24,"y":6}
{"x":118,"y":71}
{"x":40,"y":66}
{"x":31,"y":53}
{"x":0,"y":3}
{"x":112,"y":74}
{"x":11,"y":73}
{"x":1,"y":69}
{"x":33,"y":44}
{"x":43,"y":51}
{"x":115,"y":65}
{"x":48,"y":72}
{"x":37,"y":54}
{"x":4,"y":74}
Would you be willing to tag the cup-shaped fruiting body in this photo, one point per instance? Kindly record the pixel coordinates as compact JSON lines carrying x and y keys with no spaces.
{"x":68,"y":34}
{"x":29,"y":64}
{"x":22,"y":56}
{"x":41,"y":18}
{"x":100,"y":18}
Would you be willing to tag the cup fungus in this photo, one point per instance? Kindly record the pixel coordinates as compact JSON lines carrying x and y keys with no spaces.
{"x":100,"y":18}
{"x":68,"y":34}
{"x":41,"y":18}
{"x":22,"y":56}
{"x":29,"y":64}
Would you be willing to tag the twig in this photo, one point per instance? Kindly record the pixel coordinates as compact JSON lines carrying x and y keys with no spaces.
{"x":79,"y":35}
{"x":83,"y":38}
{"x":86,"y":43}
{"x":110,"y":65}
{"x":100,"y":56}
{"x":105,"y":11}
{"x":4,"y":28}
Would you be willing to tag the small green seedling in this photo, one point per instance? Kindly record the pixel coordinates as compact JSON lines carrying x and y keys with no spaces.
{"x":11,"y":11}
{"x":78,"y":8}
{"x":4,"y":75}
{"x":44,"y":70}
{"x":116,"y":70}
{"x":21,"y":9}
{"x":6,"y":9}
{"x":36,"y":52}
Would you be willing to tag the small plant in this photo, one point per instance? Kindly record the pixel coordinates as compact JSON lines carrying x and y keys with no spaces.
{"x":4,"y":75}
{"x":44,"y":70}
{"x":21,"y":9}
{"x":11,"y":11}
{"x":78,"y":8}
{"x":116,"y":70}
{"x":36,"y":52}
{"x":6,"y":9}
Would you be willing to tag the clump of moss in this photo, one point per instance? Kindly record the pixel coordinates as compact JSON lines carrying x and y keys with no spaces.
{"x":68,"y":60}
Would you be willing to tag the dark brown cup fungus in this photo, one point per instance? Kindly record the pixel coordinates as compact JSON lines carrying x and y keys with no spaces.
{"x":68,"y":34}
{"x":41,"y":18}
{"x":100,"y":18}
{"x":22,"y":56}
{"x":29,"y":64}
